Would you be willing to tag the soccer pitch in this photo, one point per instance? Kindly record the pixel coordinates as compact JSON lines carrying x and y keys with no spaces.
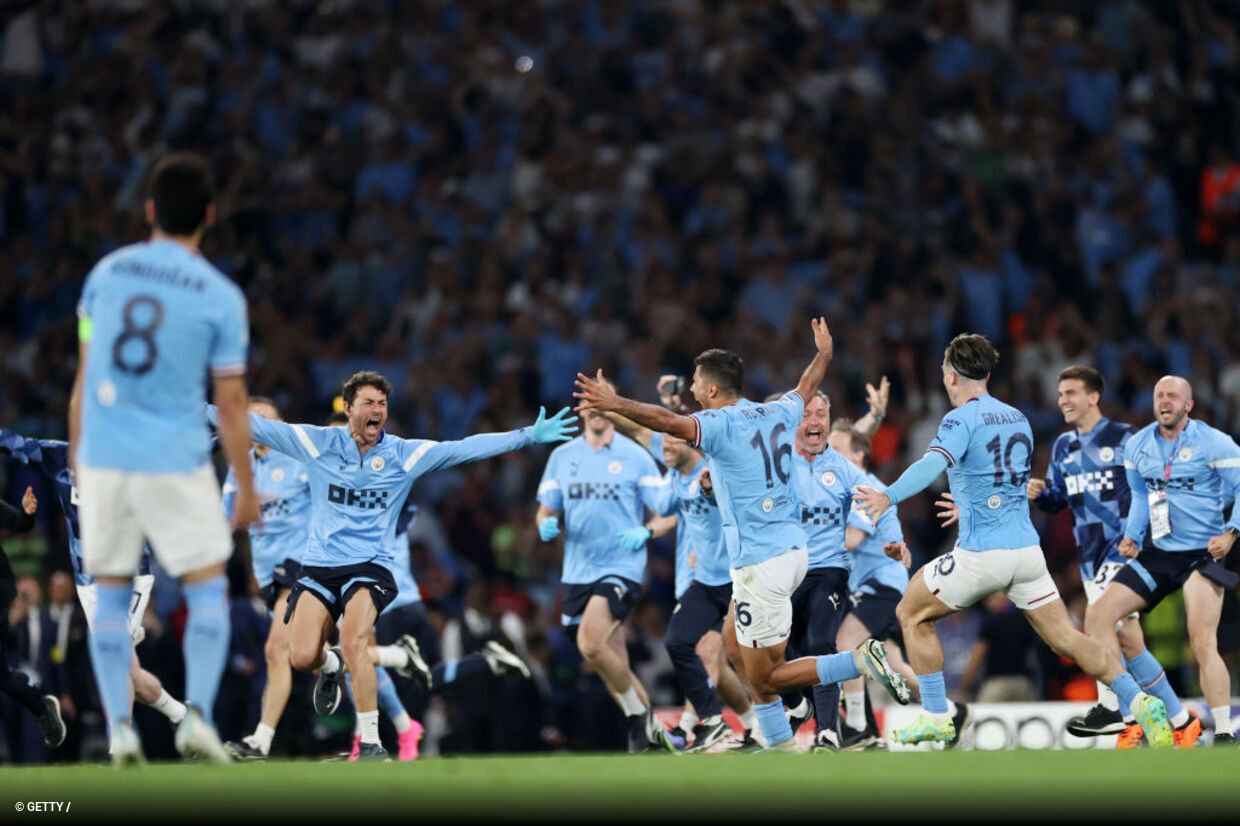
{"x":960,"y":786}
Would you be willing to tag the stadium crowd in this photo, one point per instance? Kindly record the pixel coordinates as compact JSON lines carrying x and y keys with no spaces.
{"x":622,"y":185}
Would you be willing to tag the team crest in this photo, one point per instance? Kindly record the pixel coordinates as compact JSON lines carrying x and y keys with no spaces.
{"x":695,"y":487}
{"x":1186,"y":453}
{"x":107,"y":394}
{"x":1107,"y":454}
{"x":305,"y":477}
{"x":994,"y":502}
{"x":828,"y":479}
{"x":615,"y":467}
{"x":377,"y":463}
{"x":277,"y":475}
{"x":767,"y":504}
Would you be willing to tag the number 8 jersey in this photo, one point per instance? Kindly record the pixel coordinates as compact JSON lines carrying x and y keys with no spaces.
{"x":750,"y":450}
{"x":157,"y":317}
{"x":989,"y":447}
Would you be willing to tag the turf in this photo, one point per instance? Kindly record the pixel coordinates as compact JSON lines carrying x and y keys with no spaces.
{"x":958,"y":786}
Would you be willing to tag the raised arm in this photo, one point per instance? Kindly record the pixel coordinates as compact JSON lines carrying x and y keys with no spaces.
{"x":877,"y":398}
{"x":598,"y":394}
{"x":304,"y":442}
{"x":632,"y":429}
{"x":816,"y":370}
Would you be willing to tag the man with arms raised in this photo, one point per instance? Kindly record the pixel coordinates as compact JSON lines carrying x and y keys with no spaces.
{"x":986,"y":446}
{"x":750,"y":446}
{"x":1182,"y":473}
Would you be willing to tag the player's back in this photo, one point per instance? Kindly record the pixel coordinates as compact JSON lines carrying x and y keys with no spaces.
{"x":989,"y":446}
{"x":161,"y":319}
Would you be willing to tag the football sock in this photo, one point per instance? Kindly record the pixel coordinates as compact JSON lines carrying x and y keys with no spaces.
{"x":835,"y":668}
{"x":1153,"y":680}
{"x":629,"y":702}
{"x":111,"y":646}
{"x":933,"y":693}
{"x":1222,"y":719}
{"x":389,"y":700}
{"x":1126,"y":688}
{"x":370,"y":726}
{"x":854,"y":709}
{"x":1106,"y":697}
{"x":749,"y":719}
{"x":261,"y":738}
{"x":207,"y":637}
{"x":773,"y":722}
{"x":688,"y":719}
{"x":392,"y":656}
{"x":402,"y":722}
{"x":169,"y":706}
{"x":331,"y":663}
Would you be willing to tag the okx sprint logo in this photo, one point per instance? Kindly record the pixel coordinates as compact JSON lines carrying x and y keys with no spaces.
{"x":364,"y":499}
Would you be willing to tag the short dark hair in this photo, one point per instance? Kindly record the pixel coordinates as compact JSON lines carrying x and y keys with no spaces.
{"x":337,"y":417}
{"x":267,"y":401}
{"x":724,"y":368}
{"x":1092,"y":379}
{"x":971,"y":355}
{"x":180,"y":185}
{"x":364,"y":378}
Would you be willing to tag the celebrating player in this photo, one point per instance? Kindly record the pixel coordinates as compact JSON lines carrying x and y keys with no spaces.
{"x":986,"y":446}
{"x":154,"y":319}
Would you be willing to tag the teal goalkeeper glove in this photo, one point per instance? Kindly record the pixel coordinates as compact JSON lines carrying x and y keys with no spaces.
{"x":633,"y":539}
{"x":555,"y":429}
{"x":549,"y":529}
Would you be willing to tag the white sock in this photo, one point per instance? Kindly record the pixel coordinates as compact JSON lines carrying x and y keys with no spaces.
{"x":749,"y":719}
{"x":393,"y":656}
{"x":169,"y":706}
{"x":261,"y":738}
{"x":1180,"y":719}
{"x":402,"y":722}
{"x":1222,"y":719}
{"x":688,"y":719}
{"x":369,"y":722}
{"x":630,"y":703}
{"x":798,"y":710}
{"x":854,"y":709}
{"x":951,"y":708}
{"x":1106,"y":697}
{"x":1136,"y":704}
{"x":331,"y":663}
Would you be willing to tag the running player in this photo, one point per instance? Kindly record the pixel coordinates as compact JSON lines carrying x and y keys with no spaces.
{"x":1087,"y":474}
{"x":599,"y":482}
{"x":51,"y":457}
{"x":357,"y":474}
{"x":750,"y":448}
{"x":1182,"y":473}
{"x":155,"y":320}
{"x":986,"y":446}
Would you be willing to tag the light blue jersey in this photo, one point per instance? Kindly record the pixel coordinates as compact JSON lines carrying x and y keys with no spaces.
{"x":750,"y":450}
{"x":988,"y":446}
{"x":161,"y":320}
{"x":699,"y":529}
{"x":1200,"y":474}
{"x":600,"y":492}
{"x":283,"y":487}
{"x":825,"y":490}
{"x":407,"y":591}
{"x":871,"y":566}
{"x":355,"y":498}
{"x":684,"y":571}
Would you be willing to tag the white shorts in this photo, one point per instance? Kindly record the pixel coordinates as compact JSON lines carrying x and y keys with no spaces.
{"x":1095,"y":587}
{"x":960,"y":578}
{"x":762,"y":594}
{"x":89,"y":597}
{"x":178,"y":513}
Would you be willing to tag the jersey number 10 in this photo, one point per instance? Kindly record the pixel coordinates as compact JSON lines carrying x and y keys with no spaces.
{"x":1003,"y":458}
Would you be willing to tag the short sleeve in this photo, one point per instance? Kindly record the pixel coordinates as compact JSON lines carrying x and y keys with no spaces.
{"x":952,"y":439}
{"x":549,"y":492}
{"x":712,"y":429}
{"x":232,"y":336}
{"x":86,"y":302}
{"x":656,"y":446}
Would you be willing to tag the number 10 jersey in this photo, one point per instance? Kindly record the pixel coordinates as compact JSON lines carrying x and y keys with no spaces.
{"x":988,"y":446}
{"x":157,"y":318}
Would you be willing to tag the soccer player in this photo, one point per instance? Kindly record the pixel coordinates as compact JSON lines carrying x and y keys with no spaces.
{"x":703,"y":590}
{"x":154,"y":320}
{"x":875,"y":585}
{"x":1182,"y":473}
{"x":1086,"y":474}
{"x":599,"y":482}
{"x":357,"y":476}
{"x":51,"y":456}
{"x":824,"y":480}
{"x":986,"y":446}
{"x":13,"y":682}
{"x":276,"y":546}
{"x":749,"y":447}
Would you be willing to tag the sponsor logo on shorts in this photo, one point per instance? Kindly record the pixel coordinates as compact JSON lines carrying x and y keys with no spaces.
{"x":995,"y":502}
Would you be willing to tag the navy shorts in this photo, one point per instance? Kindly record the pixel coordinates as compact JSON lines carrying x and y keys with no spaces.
{"x":701,"y":608}
{"x":284,"y":575}
{"x":818,"y":607}
{"x":1155,"y":574}
{"x":877,"y":611}
{"x":621,"y":596}
{"x":335,"y":586}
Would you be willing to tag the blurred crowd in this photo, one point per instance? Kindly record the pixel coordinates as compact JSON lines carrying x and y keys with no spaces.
{"x":480,"y":199}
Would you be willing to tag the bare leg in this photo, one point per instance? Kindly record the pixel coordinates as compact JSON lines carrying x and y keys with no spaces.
{"x":279,"y":674}
{"x":1203,"y":605}
{"x":355,"y":627}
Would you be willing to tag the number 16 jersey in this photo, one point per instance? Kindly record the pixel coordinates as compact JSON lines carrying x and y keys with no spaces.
{"x":988,"y":446}
{"x":158,"y":318}
{"x":750,"y":450}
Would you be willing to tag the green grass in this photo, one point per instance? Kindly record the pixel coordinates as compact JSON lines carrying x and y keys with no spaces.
{"x":999,"y":787}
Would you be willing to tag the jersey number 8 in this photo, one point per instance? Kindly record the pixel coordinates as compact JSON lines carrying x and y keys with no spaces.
{"x":143,"y":315}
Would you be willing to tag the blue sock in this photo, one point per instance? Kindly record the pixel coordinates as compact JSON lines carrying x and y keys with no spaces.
{"x":835,"y":668}
{"x":773,"y":722}
{"x":111,"y":646}
{"x":1126,"y":688}
{"x":206,"y":642}
{"x":933,"y":692}
{"x":1153,"y":680}
{"x":389,"y":700}
{"x":466,"y":668}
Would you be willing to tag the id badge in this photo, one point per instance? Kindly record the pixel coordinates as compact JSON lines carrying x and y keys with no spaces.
{"x":1160,"y":514}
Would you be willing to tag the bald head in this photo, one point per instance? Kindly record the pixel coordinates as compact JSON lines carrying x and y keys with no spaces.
{"x":1173,"y":401}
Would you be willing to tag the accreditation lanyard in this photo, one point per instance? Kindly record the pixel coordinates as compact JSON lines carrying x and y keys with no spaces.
{"x":1160,"y":508}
